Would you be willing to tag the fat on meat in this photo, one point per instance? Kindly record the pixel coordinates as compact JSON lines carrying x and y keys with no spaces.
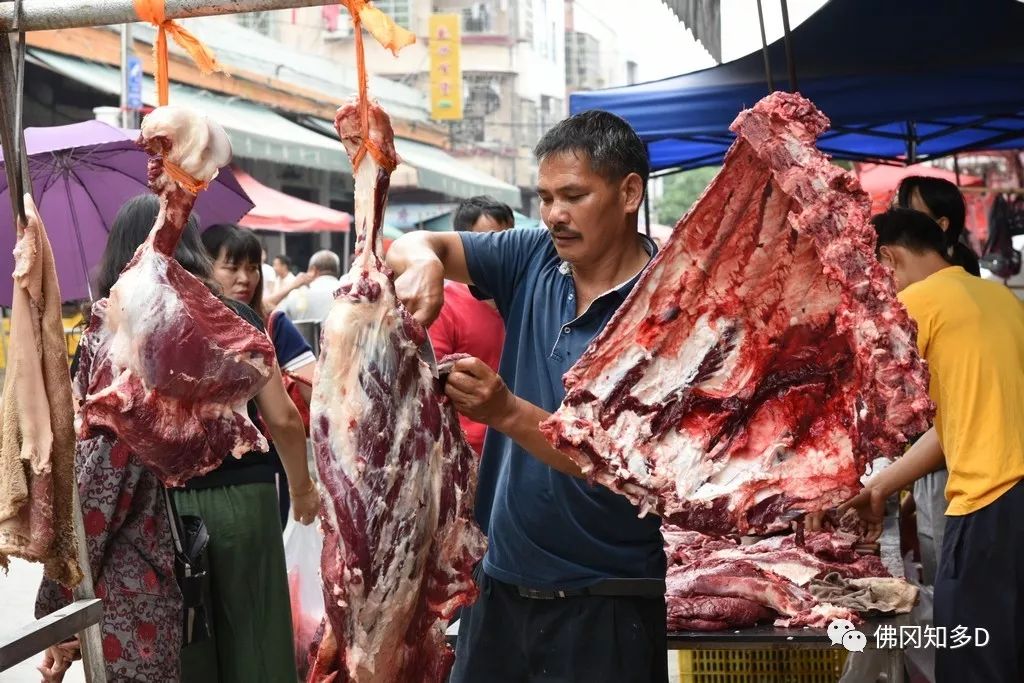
{"x":396,"y":474}
{"x":165,"y":366}
{"x":762,"y":360}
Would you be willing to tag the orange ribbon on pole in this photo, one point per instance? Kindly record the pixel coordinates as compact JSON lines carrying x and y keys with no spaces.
{"x":390,"y":35}
{"x":154,"y":12}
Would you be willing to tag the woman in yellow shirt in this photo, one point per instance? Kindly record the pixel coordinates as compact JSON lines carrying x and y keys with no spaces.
{"x":943,"y":202}
{"x":971,"y":332}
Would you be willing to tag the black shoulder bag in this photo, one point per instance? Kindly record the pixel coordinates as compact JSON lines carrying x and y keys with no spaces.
{"x":190,"y":564}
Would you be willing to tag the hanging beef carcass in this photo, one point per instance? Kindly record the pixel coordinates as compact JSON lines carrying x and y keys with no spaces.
{"x":762,"y":359}
{"x":397,"y":476}
{"x":169,"y":366}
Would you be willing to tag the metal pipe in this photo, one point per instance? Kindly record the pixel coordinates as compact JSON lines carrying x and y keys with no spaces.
{"x":126,"y":31}
{"x":790,"y":62}
{"x":45,"y":15}
{"x":764,"y":49}
{"x":911,"y":143}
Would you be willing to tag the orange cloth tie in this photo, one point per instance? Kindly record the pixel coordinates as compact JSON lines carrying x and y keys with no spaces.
{"x":391,"y":36}
{"x":154,"y":12}
{"x":184,"y":180}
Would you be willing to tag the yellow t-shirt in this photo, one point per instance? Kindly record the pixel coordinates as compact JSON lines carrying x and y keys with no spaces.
{"x":971,"y":332}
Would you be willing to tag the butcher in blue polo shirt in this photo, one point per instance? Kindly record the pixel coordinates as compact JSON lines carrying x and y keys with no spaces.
{"x":572,"y":585}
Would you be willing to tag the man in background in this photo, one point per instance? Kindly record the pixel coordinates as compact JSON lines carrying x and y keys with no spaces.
{"x":467,"y":323}
{"x":309,"y":295}
{"x":269,"y":275}
{"x":283,"y":271}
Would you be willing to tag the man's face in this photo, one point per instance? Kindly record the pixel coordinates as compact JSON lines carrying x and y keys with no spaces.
{"x":585,"y":213}
{"x":489,"y":224}
{"x":280,"y":268}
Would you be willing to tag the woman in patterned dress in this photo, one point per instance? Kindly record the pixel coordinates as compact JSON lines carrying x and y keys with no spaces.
{"x":127,"y":528}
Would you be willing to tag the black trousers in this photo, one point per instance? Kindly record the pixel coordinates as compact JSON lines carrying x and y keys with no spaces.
{"x":507,"y":638}
{"x":980,"y":584}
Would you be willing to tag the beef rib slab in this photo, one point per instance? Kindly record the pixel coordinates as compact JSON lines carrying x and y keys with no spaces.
{"x":762,"y":359}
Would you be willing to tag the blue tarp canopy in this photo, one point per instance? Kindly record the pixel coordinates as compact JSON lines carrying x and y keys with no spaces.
{"x":902,"y":81}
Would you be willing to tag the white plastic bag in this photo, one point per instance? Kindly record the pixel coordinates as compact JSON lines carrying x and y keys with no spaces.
{"x":302,"y":547}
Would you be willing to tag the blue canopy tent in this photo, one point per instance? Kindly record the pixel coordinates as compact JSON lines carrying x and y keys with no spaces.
{"x":902,"y":82}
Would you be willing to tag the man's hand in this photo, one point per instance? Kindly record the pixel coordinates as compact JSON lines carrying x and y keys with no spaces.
{"x":283,"y":290}
{"x":479,"y":393}
{"x":421,"y":289}
{"x":301,"y":280}
{"x":869,"y":505}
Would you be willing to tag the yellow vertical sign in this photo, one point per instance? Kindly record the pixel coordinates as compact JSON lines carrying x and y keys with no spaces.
{"x":445,"y":70}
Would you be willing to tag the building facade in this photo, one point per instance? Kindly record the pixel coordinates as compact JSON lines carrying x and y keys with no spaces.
{"x":513,"y":70}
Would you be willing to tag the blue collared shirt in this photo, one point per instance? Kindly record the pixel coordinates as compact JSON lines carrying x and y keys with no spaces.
{"x":545,"y":529}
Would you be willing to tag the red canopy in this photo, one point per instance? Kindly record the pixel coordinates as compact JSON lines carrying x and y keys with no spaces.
{"x":275,"y":210}
{"x":881,"y":181}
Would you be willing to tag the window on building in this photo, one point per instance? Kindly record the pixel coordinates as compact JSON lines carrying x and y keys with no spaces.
{"x":632,"y":69}
{"x":525,"y":8}
{"x":582,"y":61}
{"x":477,"y":18}
{"x":469,"y":130}
{"x":399,"y":10}
{"x":257,"y":21}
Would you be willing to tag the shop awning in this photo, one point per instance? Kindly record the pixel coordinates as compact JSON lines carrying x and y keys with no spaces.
{"x":431,"y":168}
{"x":901,"y":82}
{"x":278,"y":211}
{"x":255,"y":131}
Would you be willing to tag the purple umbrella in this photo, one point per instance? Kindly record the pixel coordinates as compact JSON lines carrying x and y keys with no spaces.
{"x":81,"y":175}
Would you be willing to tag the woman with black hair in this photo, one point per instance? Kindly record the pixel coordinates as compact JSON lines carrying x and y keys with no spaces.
{"x":237,"y":254}
{"x":128,"y":535}
{"x":971,"y":332}
{"x":943,"y":202}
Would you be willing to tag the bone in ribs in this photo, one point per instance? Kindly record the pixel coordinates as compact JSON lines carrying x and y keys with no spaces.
{"x":762,"y":358}
{"x":715,"y":584}
{"x":166,"y":367}
{"x":397,"y":476}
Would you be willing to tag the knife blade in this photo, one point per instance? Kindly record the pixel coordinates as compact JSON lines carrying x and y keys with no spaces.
{"x":427,"y":355}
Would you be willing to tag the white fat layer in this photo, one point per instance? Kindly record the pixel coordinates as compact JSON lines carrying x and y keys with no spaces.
{"x":198,"y":145}
{"x":142,"y":305}
{"x":799,"y":573}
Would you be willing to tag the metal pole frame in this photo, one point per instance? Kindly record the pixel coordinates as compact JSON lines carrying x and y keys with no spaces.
{"x":764,"y":50}
{"x":12,"y":71}
{"x":787,"y":41}
{"x":46,"y":15}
